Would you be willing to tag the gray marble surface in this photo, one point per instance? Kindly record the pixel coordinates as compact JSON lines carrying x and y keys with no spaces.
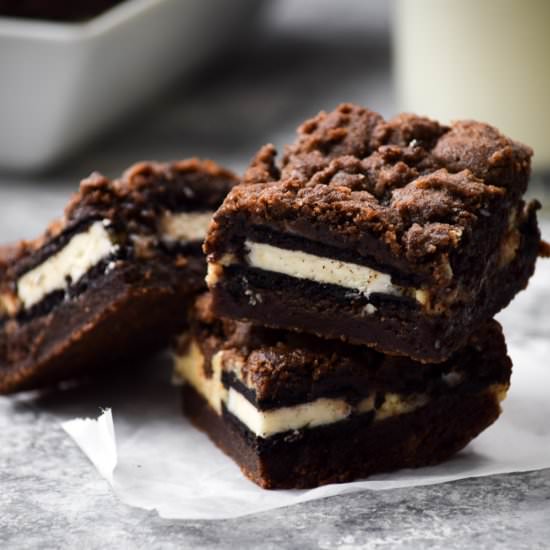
{"x":51,"y":497}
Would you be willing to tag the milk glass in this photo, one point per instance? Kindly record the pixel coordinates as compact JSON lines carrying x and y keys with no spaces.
{"x":487,"y":60}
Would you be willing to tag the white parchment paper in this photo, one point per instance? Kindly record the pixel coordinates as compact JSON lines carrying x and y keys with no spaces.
{"x":154,"y":459}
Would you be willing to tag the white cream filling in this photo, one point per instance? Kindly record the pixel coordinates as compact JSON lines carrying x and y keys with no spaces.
{"x":320,"y":412}
{"x":85,"y":250}
{"x":264,"y":424}
{"x":303,"y":265}
{"x":215,"y":270}
{"x":395,"y":404}
{"x":184,"y":227}
{"x":67,"y":266}
{"x":190,"y":369}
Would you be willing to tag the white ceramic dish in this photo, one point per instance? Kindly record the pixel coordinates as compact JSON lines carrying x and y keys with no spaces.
{"x":63,"y":83}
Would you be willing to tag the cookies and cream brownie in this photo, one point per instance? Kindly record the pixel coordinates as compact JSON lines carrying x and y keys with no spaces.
{"x":111,"y":278}
{"x":402,"y":234}
{"x":297,"y":411}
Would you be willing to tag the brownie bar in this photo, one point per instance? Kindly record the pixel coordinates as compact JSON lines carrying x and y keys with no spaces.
{"x":403,"y":235}
{"x":108,"y":281}
{"x":296,"y":411}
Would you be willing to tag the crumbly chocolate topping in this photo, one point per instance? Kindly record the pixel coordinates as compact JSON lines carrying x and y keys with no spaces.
{"x":147,"y":187}
{"x":418,"y":189}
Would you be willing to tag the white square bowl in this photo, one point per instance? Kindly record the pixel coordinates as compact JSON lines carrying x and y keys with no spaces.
{"x":61,"y":84}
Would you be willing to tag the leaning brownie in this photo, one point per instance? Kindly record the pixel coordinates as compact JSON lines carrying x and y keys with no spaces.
{"x":403,"y":235}
{"x":296,"y":411}
{"x":109,"y":281}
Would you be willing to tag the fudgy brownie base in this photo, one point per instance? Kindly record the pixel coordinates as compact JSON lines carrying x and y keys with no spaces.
{"x":112,"y":279}
{"x":335,"y":454}
{"x":121,"y":316}
{"x":403,"y":235}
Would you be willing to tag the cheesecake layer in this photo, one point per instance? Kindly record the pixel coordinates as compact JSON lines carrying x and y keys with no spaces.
{"x":68,"y":265}
{"x":184,"y":227}
{"x":302,"y":265}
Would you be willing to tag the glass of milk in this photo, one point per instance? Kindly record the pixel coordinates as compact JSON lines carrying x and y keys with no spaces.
{"x":487,"y":60}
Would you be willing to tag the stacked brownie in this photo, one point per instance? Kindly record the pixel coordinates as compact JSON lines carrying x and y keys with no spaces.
{"x":349,"y":329}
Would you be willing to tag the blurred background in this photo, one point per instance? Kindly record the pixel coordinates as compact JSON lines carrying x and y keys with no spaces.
{"x":103,"y":93}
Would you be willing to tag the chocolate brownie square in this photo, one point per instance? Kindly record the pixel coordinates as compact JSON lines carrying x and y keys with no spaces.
{"x":403,"y":235}
{"x":109,"y":281}
{"x":296,"y":411}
